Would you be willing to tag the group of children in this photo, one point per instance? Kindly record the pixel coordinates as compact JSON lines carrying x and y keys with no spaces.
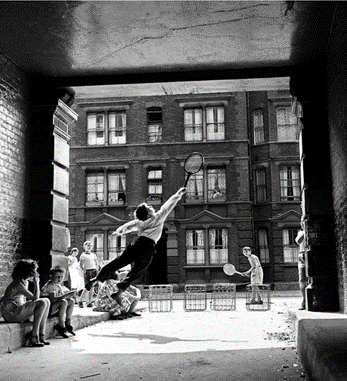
{"x":117,"y":295}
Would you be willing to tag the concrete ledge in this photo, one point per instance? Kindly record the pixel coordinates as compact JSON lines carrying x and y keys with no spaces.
{"x":12,"y":334}
{"x":322,"y":344}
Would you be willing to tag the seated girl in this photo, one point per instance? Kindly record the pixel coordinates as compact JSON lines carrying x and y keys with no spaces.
{"x":16,"y":309}
{"x":62,"y":301}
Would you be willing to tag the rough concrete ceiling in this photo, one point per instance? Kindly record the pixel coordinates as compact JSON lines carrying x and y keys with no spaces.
{"x":111,"y":39}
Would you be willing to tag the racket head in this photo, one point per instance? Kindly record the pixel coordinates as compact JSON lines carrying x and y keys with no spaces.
{"x":193,"y":163}
{"x":229,"y":269}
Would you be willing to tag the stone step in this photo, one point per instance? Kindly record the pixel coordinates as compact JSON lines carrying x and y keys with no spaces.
{"x":12,"y":334}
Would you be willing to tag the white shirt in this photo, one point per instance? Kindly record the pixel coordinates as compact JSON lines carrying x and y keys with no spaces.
{"x":152,"y":227}
{"x":88,"y":261}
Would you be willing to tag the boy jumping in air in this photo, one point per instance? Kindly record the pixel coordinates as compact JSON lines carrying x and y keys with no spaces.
{"x":149,"y":226}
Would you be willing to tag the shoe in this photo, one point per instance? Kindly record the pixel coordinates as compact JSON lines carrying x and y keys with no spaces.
{"x":117,"y":317}
{"x":134,"y":314}
{"x":80,"y":304}
{"x":32,"y":341}
{"x":125,"y":315}
{"x":117,"y":298}
{"x":61,"y":331}
{"x":253,"y":301}
{"x":42,"y":340}
{"x":260,"y":302}
{"x":69,"y":329}
{"x":90,"y":284}
{"x":90,"y":305}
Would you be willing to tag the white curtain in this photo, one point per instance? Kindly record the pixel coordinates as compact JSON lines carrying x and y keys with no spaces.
{"x":218,"y":242}
{"x":195,"y":247}
{"x":296,"y":181}
{"x":195,"y":186}
{"x":215,"y":123}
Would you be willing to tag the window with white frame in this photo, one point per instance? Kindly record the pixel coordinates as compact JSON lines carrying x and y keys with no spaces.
{"x":95,"y":187}
{"x":116,"y":187}
{"x":106,"y":127}
{"x":195,"y":241}
{"x":106,"y":187}
{"x":260,"y":185}
{"x":215,"y":123}
{"x":209,"y":184}
{"x":290,"y":248}
{"x":96,"y":128}
{"x":155,"y":185}
{"x":106,"y":250}
{"x":290,"y":183}
{"x":193,"y":124}
{"x":207,"y":247}
{"x":117,"y":127}
{"x":116,"y":246}
{"x":97,"y":240}
{"x":287,"y":129}
{"x":155,"y":123}
{"x":205,"y":123}
{"x":218,"y":243}
{"x":263,"y":246}
{"x":258,"y":126}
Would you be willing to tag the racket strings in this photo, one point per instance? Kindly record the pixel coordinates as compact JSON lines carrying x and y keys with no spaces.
{"x":193,"y":163}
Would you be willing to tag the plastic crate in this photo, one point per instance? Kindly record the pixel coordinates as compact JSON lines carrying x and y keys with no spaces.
{"x":223,"y":297}
{"x":258,"y":301}
{"x":195,"y":297}
{"x":160,"y":298}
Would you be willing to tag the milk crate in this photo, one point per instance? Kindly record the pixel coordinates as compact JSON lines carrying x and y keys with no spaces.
{"x":160,"y":298}
{"x":259,"y":298}
{"x":223,"y":297}
{"x":195,"y":297}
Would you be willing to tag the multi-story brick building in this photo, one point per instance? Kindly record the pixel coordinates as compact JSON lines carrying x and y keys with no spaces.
{"x":128,"y":150}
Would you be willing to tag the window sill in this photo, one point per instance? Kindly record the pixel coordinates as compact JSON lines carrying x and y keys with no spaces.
{"x":115,"y":203}
{"x":94,"y":205}
{"x":289,"y":264}
{"x":203,"y":266}
{"x":195,"y":202}
{"x":153,"y":202}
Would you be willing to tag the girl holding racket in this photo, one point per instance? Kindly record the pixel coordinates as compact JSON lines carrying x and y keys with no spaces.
{"x":149,"y":226}
{"x":256,"y":274}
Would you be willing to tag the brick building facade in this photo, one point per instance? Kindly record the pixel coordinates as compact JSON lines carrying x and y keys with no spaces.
{"x":128,"y":150}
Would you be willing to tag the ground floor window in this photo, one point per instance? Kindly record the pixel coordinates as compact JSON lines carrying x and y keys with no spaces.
{"x":263,"y":246}
{"x":207,"y":246}
{"x":290,"y":248}
{"x":105,"y":245}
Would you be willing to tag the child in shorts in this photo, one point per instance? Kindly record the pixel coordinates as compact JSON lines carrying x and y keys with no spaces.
{"x":89,"y":265}
{"x":256,"y":274}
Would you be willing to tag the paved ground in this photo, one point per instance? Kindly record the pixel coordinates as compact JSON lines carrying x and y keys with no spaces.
{"x":170,"y":346}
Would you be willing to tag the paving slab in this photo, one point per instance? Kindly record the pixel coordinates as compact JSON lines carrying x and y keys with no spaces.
{"x":170,"y":346}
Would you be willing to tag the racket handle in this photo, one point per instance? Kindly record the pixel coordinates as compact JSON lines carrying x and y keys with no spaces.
{"x":186,"y":182}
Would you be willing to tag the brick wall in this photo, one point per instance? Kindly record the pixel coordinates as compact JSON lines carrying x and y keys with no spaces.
{"x":13,"y":128}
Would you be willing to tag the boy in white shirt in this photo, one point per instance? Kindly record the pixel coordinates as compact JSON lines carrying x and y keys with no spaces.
{"x":149,"y":226}
{"x":89,"y":265}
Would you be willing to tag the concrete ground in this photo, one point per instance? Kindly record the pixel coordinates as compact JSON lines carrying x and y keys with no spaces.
{"x":170,"y":346}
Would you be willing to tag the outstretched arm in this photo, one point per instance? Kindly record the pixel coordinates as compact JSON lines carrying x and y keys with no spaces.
{"x":126,"y":228}
{"x":171,"y":202}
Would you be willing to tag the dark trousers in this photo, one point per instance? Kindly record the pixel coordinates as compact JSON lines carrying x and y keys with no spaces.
{"x":140,"y":253}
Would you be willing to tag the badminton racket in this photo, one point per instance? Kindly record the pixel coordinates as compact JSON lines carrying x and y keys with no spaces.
{"x":193,"y":164}
{"x":229,"y":269}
